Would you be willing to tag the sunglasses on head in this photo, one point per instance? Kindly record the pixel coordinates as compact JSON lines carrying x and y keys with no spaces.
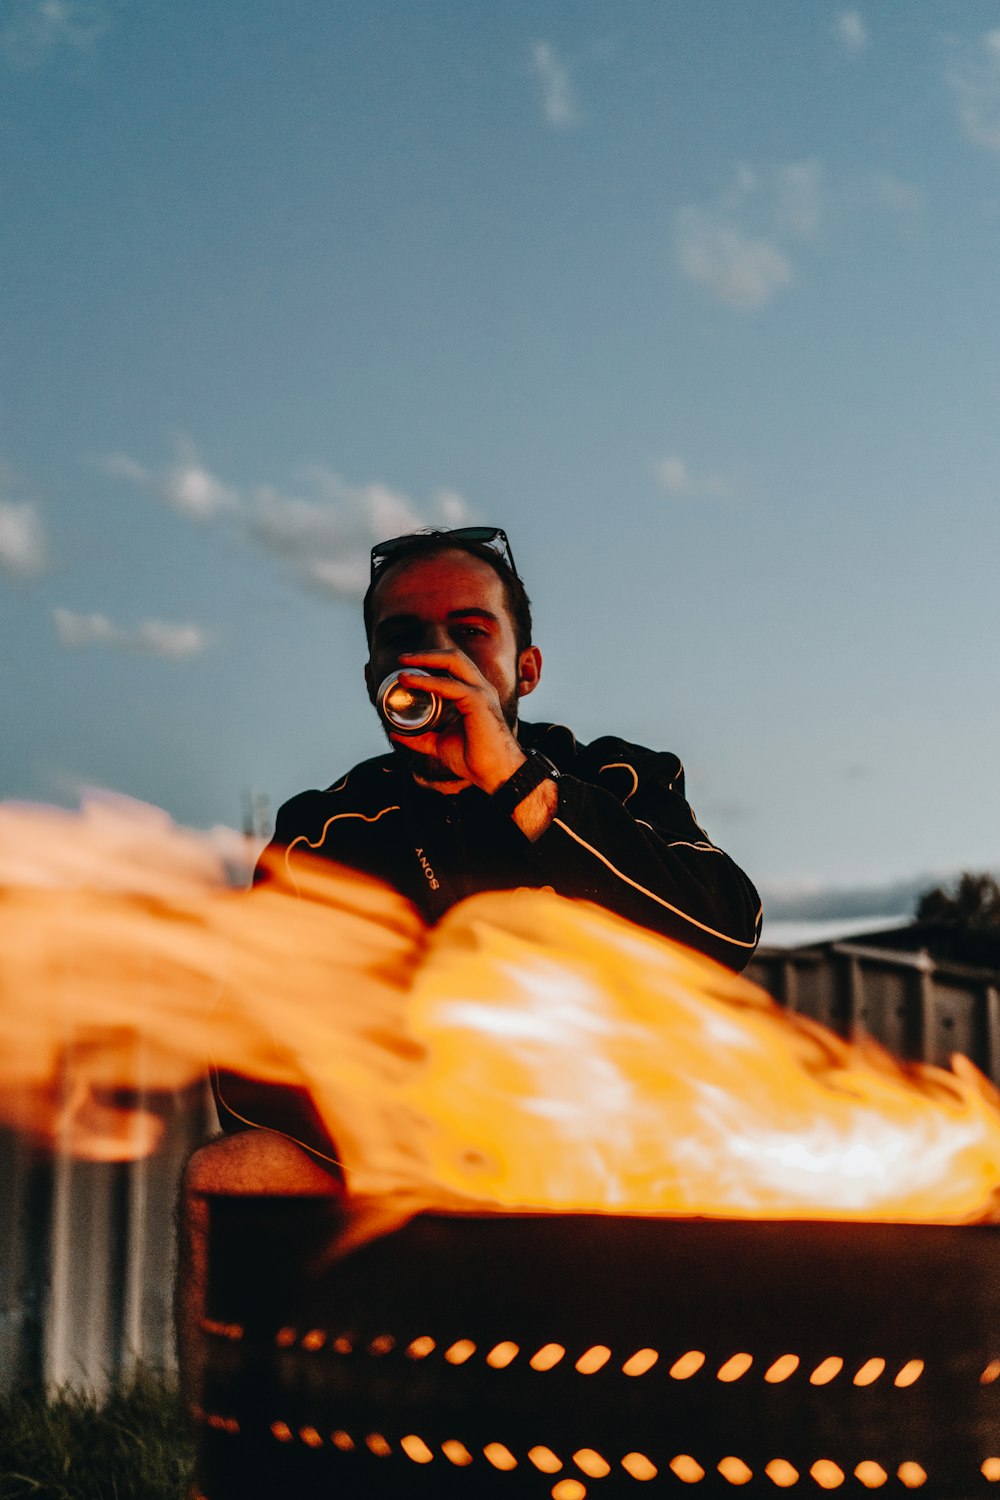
{"x":493,"y":537}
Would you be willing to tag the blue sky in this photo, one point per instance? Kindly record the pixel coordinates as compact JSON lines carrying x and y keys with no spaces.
{"x":699,"y":301}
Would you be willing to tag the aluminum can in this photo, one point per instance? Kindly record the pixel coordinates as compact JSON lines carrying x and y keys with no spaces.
{"x":408,"y":710}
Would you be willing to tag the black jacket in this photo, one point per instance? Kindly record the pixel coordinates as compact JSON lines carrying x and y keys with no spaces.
{"x":623,"y":836}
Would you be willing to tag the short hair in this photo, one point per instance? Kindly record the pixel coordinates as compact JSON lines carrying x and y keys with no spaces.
{"x":437,"y":539}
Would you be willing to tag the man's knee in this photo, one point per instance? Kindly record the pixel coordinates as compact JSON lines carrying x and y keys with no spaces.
{"x":256,"y":1161}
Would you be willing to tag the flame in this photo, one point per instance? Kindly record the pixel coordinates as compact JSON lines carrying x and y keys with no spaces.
{"x":527,"y":1053}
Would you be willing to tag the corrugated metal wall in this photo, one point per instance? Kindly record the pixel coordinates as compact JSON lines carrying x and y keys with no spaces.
{"x":87,"y":1254}
{"x":920,"y":1009}
{"x":87,"y":1249}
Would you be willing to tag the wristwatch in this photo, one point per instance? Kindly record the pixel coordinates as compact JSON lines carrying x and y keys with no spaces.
{"x":536,"y":769}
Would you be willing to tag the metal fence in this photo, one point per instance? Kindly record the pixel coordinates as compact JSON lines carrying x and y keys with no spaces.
{"x":87,"y":1255}
{"x":87,"y":1249}
{"x":920,"y":1008}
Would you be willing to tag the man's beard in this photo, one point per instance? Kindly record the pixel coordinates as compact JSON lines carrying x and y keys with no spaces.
{"x":432,"y":770}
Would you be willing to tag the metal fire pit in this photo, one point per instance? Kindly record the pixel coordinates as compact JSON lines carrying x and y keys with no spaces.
{"x":589,"y":1355}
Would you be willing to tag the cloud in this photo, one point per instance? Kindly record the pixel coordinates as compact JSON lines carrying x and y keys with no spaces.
{"x":326,"y":541}
{"x":187,"y":486}
{"x":899,"y":197}
{"x":23,"y":551}
{"x":674,"y":478}
{"x":558,"y":99}
{"x":158,"y":638}
{"x":801,"y":901}
{"x":735,"y":268}
{"x":323,"y":537}
{"x":738,"y":248}
{"x":798,"y":191}
{"x":37,"y":28}
{"x":850,"y":29}
{"x":975,"y":81}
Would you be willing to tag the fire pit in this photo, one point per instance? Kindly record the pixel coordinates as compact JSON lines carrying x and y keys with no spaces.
{"x":567,"y":1356}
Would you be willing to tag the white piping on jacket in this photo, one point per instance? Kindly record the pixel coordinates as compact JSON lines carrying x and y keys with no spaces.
{"x":736,"y":942}
{"x":623,"y":765}
{"x":303,"y":839}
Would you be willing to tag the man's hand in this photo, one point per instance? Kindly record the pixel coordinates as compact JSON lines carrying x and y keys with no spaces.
{"x":475,"y":741}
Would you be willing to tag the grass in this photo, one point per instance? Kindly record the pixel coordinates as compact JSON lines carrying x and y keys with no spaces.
{"x":133,"y":1445}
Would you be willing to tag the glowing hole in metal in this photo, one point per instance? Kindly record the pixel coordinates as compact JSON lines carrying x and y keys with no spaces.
{"x":828,"y":1370}
{"x":285,"y":1338}
{"x":689,"y":1364}
{"x":547,"y":1357}
{"x":545,"y":1460}
{"x":869,"y":1372}
{"x":501,"y":1355}
{"x":416,"y":1449}
{"x":910,"y":1373}
{"x":376,"y":1443}
{"x":314,"y":1339}
{"x":420,"y":1348}
{"x":591,"y":1462}
{"x":568,"y":1489}
{"x":459,"y":1352}
{"x":782,"y":1368}
{"x":991,"y":1469}
{"x":912,"y":1475}
{"x":871,"y":1474}
{"x":781,"y":1473}
{"x":687,"y":1469}
{"x":639,"y":1466}
{"x":826,"y":1474}
{"x":641,"y":1361}
{"x":735,"y":1471}
{"x":310,"y":1437}
{"x":736,"y":1367}
{"x":456,"y":1453}
{"x":342,"y":1440}
{"x":593,"y":1359}
{"x":499,"y":1456}
{"x":282,"y":1432}
{"x":384,"y":1344}
{"x":232,"y":1331}
{"x":342,"y":1345}
{"x":991,"y":1373}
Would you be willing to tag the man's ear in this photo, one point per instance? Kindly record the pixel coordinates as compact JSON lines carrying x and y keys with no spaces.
{"x":370,"y":682}
{"x":529,"y":670}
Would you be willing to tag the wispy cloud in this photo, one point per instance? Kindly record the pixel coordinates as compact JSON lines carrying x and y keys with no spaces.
{"x":23,"y":549}
{"x":974,"y":78}
{"x":326,"y":539}
{"x":159,"y":638}
{"x":558,"y":98}
{"x":798,"y":198}
{"x":675,"y":479}
{"x":813,"y":901}
{"x":849,"y":29}
{"x":902,"y":198}
{"x":322,"y":534}
{"x":739,"y":248}
{"x":187,"y":486}
{"x":739,"y":269}
{"x":35,"y":29}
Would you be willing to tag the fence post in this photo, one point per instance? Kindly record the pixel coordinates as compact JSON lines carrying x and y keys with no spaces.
{"x":991,"y":996}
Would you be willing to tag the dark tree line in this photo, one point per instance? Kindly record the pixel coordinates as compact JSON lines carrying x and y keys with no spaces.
{"x":972,"y":901}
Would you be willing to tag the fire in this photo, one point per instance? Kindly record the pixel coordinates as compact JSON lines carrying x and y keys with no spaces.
{"x":529,"y":1053}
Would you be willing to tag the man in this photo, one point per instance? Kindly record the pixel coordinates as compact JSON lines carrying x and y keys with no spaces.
{"x":479,"y":802}
{"x":485,"y":802}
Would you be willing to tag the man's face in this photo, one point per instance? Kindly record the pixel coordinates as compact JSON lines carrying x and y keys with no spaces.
{"x":445,"y":601}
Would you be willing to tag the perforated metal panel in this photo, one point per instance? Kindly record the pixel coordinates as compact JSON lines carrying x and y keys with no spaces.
{"x":593,"y":1355}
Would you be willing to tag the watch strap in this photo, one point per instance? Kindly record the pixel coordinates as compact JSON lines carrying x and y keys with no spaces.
{"x":536,"y":769}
